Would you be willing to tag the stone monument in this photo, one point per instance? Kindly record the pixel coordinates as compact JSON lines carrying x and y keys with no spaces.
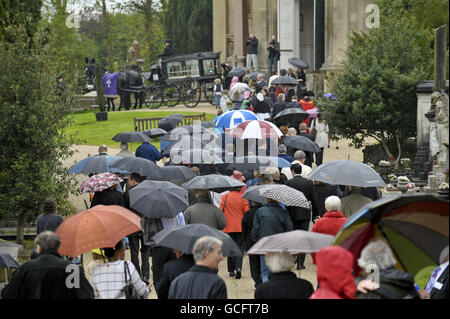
{"x":438,"y":114}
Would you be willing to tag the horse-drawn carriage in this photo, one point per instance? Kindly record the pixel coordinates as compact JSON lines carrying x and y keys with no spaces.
{"x":182,"y":78}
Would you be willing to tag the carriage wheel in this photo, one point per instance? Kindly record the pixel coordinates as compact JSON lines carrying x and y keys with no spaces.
{"x":190,"y":92}
{"x":153,"y":98}
{"x":171,"y":95}
{"x":208,"y":91}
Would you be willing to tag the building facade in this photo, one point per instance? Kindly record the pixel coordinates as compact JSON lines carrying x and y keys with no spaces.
{"x":317,"y":31}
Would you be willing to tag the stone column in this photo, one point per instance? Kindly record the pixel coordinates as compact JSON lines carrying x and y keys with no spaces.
{"x":240,"y":30}
{"x":220,"y":21}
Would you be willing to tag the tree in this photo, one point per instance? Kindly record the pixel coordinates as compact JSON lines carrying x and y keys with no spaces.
{"x":375,"y":92}
{"x":33,"y":118}
{"x":19,"y":12}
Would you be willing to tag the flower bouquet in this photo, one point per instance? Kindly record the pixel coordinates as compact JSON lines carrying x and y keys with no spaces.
{"x":403,"y":179}
{"x":392,"y":177}
{"x":384,"y":163}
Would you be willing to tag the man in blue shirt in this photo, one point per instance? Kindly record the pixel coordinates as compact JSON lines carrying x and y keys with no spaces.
{"x":149,"y":151}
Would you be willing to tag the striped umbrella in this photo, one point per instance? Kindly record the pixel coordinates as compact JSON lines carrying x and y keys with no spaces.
{"x":233,"y":119}
{"x":100,"y":182}
{"x":257,"y":129}
{"x":285,"y":195}
{"x":415,"y":226}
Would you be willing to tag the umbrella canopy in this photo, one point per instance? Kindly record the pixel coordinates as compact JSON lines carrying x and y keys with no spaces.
{"x":198,"y":156}
{"x":233,"y":119}
{"x":188,"y":143}
{"x":170,"y":122}
{"x":415,"y":226}
{"x":155,"y":132}
{"x":299,"y":63}
{"x":253,"y":193}
{"x":183,"y":237}
{"x":285,"y":80}
{"x":175,"y":172}
{"x":142,"y":166}
{"x":286,"y":195}
{"x":99,"y":227}
{"x":346,"y":172}
{"x":131,"y":137}
{"x":97,"y":164}
{"x":238,"y":71}
{"x":239,"y":87}
{"x":213,"y":182}
{"x":195,"y":130}
{"x":100,"y":182}
{"x":291,"y":117}
{"x":245,"y":163}
{"x":6,"y":261}
{"x":257,"y":129}
{"x":301,"y":143}
{"x":293,"y":242}
{"x":156,"y":199}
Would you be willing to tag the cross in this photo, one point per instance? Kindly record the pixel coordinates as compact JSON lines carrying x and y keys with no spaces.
{"x":109,"y":83}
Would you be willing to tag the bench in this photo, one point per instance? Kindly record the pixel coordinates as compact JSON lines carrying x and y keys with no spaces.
{"x":145,"y":124}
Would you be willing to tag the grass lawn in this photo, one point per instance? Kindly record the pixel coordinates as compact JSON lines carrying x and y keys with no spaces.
{"x":95,"y":133}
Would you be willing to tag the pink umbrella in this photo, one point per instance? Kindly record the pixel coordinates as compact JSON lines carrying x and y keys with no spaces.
{"x":257,"y":129}
{"x":100,"y":182}
{"x":313,"y":112}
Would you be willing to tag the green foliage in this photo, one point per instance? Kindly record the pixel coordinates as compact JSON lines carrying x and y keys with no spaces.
{"x":33,"y":118}
{"x":376,"y":89}
{"x":19,"y":12}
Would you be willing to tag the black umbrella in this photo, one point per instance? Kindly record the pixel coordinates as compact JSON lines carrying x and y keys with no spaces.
{"x":183,"y":238}
{"x":299,"y":63}
{"x":186,"y":144}
{"x":291,"y":116}
{"x":170,"y":122}
{"x":346,"y":172}
{"x":142,"y":166}
{"x":198,"y":156}
{"x":97,"y":164}
{"x":155,"y":132}
{"x":253,"y":193}
{"x":251,"y":162}
{"x":6,"y":261}
{"x":131,"y":137}
{"x":239,"y":71}
{"x":285,"y":80}
{"x":196,"y":130}
{"x":301,"y":143}
{"x":213,"y":182}
{"x":156,"y":199}
{"x":175,"y":172}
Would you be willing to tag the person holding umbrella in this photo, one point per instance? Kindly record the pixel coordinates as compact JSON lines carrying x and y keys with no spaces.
{"x":201,"y":281}
{"x":204,"y":212}
{"x":234,"y":208}
{"x":149,"y":151}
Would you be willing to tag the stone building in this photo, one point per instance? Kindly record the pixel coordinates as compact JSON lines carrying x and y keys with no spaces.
{"x":317,"y":31}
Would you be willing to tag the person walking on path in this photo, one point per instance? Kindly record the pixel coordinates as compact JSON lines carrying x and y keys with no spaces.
{"x":204,"y":212}
{"x":234,"y":208}
{"x":110,"y":196}
{"x":283,"y":283}
{"x":301,"y":217}
{"x":303,"y":132}
{"x":274,"y":54}
{"x":148,"y":151}
{"x":201,"y":281}
{"x":252,"y":52}
{"x":354,"y":201}
{"x":333,"y":220}
{"x":334,"y":274}
{"x":108,"y":279}
{"x":46,"y":276}
{"x":269,"y":220}
{"x":320,"y":130}
{"x":321,"y":192}
{"x":254,"y":260}
{"x":48,"y":219}
{"x":172,"y":269}
{"x":124,"y":152}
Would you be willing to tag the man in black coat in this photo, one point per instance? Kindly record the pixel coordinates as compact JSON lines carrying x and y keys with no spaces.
{"x":281,"y":105}
{"x":309,"y":155}
{"x":201,"y":281}
{"x":172,"y":270}
{"x":254,"y":260}
{"x":321,"y":192}
{"x":252,"y":52}
{"x":168,"y":50}
{"x":48,"y":276}
{"x":301,"y":217}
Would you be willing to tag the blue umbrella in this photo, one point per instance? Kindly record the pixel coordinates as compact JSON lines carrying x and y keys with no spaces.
{"x":97,"y":164}
{"x":233,"y":119}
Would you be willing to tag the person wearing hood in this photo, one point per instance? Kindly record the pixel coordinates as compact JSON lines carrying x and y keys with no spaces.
{"x":393,"y":283}
{"x":334,"y":274}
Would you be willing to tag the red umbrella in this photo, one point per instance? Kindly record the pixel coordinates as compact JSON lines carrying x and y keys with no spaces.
{"x":257,"y":129}
{"x":98,"y":227}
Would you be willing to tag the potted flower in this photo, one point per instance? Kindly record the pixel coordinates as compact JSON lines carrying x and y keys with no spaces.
{"x":443,"y":191}
{"x":384,"y":164}
{"x":392,"y":177}
{"x":402,"y":182}
{"x":405,"y":163}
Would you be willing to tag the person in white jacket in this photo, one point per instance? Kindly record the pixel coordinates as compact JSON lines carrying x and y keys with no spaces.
{"x":320,"y":129}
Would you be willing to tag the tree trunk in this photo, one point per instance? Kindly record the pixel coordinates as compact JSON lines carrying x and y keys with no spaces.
{"x":20,"y":230}
{"x":108,"y":34}
{"x":399,"y":146}
{"x":386,"y":148}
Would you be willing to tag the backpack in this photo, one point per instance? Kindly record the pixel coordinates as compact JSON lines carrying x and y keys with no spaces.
{"x":150,"y":227}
